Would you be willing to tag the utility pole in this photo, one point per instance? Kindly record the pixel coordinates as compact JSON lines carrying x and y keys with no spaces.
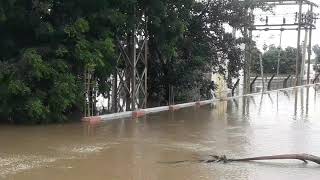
{"x":279,"y":55}
{"x":261,"y":70}
{"x":303,"y":57}
{"x":248,"y":55}
{"x":310,"y":18}
{"x":298,"y":57}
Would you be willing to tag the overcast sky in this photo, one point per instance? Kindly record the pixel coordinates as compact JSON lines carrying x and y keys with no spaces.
{"x":289,"y":38}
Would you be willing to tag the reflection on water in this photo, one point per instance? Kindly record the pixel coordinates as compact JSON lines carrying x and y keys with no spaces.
{"x":271,"y":123}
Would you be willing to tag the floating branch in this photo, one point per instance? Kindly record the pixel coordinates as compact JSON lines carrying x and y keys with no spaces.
{"x":215,"y":159}
{"x":302,"y":157}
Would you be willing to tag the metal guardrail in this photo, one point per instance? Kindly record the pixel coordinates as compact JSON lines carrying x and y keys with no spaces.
{"x":270,"y":81}
{"x":235,"y":86}
{"x":285,"y":82}
{"x":252,"y":83}
{"x":315,"y":79}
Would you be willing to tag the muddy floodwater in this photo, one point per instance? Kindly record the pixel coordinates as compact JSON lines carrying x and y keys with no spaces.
{"x":273,"y":123}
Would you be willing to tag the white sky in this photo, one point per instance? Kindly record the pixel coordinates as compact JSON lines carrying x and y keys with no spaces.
{"x":289,"y":38}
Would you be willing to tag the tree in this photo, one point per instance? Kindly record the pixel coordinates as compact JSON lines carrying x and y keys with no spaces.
{"x":188,"y":39}
{"x":46,"y":46}
{"x":270,"y":60}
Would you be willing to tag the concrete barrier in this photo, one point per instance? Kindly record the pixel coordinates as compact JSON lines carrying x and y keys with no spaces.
{"x":92,"y":119}
{"x":206,"y":102}
{"x":116,"y":116}
{"x":144,"y":112}
{"x":198,"y":104}
{"x":156,"y":109}
{"x":138,"y":114}
{"x":185,"y":105}
{"x":203,"y":103}
{"x":173,"y":108}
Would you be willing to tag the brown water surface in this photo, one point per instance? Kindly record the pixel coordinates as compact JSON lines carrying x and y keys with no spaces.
{"x":274,"y":123}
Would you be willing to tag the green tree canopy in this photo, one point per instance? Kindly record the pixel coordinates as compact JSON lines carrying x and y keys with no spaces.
{"x":270,"y":60}
{"x":44,"y":47}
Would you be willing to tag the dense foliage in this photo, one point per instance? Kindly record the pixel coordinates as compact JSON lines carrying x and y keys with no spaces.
{"x":45,"y":46}
{"x":270,"y":60}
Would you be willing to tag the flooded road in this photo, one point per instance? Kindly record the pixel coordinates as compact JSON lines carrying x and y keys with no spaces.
{"x":276,"y":123}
